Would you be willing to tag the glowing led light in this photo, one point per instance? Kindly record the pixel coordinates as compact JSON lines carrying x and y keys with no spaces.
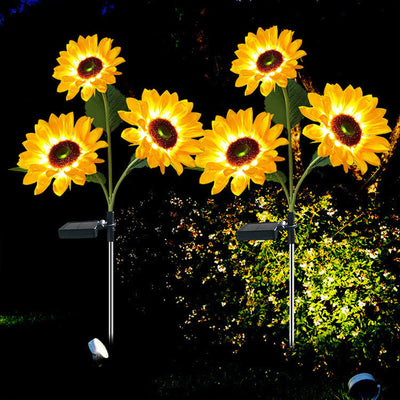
{"x":97,"y":349}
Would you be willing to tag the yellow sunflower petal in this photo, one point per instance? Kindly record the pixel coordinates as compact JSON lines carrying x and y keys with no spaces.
{"x":267,"y":86}
{"x":252,"y":86}
{"x":311,"y":113}
{"x":60,"y":184}
{"x":314,"y":132}
{"x":30,"y":177}
{"x":79,"y":177}
{"x":220,"y":182}
{"x":177,"y":167}
{"x":257,"y":175}
{"x":208,"y":176}
{"x":239,"y":183}
{"x":43,"y":182}
{"x":371,"y":158}
{"x":377,"y":143}
{"x":361,"y":164}
{"x":191,"y":146}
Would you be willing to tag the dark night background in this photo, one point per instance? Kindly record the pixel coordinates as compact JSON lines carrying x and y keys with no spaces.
{"x":183,"y":46}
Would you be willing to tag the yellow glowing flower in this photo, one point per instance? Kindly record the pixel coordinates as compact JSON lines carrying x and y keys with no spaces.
{"x":239,"y":148}
{"x":268,"y":59}
{"x":87,"y":65}
{"x":61,"y":150}
{"x":164,"y":130}
{"x":348,"y":126}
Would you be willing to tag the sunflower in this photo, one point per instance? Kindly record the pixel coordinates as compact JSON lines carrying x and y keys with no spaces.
{"x":349,"y":125}
{"x":87,"y":65}
{"x":268,"y":59}
{"x":239,"y":148}
{"x":61,"y":150}
{"x":164,"y":129}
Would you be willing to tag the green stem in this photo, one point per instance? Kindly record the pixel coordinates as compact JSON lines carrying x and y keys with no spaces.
{"x":290,"y":149}
{"x":102,"y":186}
{"x":371,"y":178}
{"x":299,"y":183}
{"x":108,"y":131}
{"x":122,"y":177}
{"x":283,"y":187}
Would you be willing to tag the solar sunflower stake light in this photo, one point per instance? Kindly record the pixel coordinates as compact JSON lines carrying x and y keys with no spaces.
{"x":162,"y":127}
{"x":347,"y":125}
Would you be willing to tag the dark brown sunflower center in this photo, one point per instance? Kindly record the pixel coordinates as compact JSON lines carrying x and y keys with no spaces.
{"x":64,"y":154}
{"x":163,"y":133}
{"x":242,"y":151}
{"x":89,"y":67}
{"x":269,"y":61}
{"x":346,"y":130}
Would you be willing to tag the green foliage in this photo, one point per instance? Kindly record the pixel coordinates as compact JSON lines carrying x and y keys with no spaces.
{"x":346,"y":294}
{"x":96,"y":177}
{"x":277,"y":177}
{"x":275,"y":103}
{"x":235,"y":294}
{"x":8,"y":320}
{"x":17,"y":169}
{"x":322,"y":162}
{"x":94,"y":108}
{"x":140,"y":163}
{"x":238,"y":382}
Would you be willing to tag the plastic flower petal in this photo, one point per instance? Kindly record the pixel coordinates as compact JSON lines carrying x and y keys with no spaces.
{"x":349,"y":125}
{"x":87,"y":65}
{"x":164,"y":129}
{"x":61,"y":150}
{"x":239,"y":148}
{"x":267,"y":59}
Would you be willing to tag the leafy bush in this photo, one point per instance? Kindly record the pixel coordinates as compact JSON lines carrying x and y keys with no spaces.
{"x":235,"y":294}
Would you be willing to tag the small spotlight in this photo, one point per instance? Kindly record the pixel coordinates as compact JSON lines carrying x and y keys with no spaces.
{"x":98,"y":350}
{"x":364,"y":387}
{"x":261,"y":231}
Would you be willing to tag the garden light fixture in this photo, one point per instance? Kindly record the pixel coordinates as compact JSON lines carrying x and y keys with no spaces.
{"x":98,"y":350}
{"x":364,"y":387}
{"x":89,"y":230}
{"x":240,"y":148}
{"x":62,"y":151}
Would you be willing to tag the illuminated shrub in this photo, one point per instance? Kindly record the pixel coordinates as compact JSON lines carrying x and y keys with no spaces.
{"x":236,"y":293}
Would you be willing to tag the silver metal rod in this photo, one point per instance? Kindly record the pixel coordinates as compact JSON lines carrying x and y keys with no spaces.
{"x":291,"y":240}
{"x":291,"y":295}
{"x":111,"y":292}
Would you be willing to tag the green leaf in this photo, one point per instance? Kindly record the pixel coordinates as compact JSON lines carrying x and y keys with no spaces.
{"x":323,"y":162}
{"x":277,"y":176}
{"x":275,"y":103}
{"x":95,"y":179}
{"x":140,"y":163}
{"x":94,"y":108}
{"x":194,"y":168}
{"x":17,"y":169}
